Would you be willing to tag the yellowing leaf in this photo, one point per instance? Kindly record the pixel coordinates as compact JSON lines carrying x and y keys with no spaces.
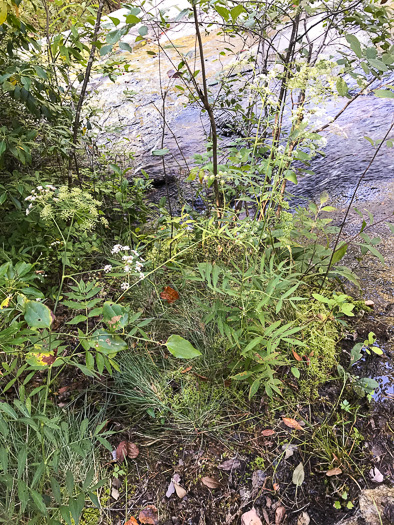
{"x":6,"y":302}
{"x":3,"y":11}
{"x":40,"y":358}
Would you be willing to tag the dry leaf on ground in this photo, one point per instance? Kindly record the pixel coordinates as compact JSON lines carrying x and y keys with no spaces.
{"x":280,"y":514}
{"x":115,"y":493}
{"x":296,"y":356}
{"x":148,"y":515}
{"x":251,"y":518}
{"x":299,"y":475}
{"x":267,"y":432}
{"x":211,"y":483}
{"x":303,"y":519}
{"x":230,"y":464}
{"x":180,"y":491}
{"x":289,"y":450}
{"x":125,"y":450}
{"x":375,"y":475}
{"x":131,"y":521}
{"x":334,"y":472}
{"x":170,"y":490}
{"x":169,"y":294}
{"x":292,"y":423}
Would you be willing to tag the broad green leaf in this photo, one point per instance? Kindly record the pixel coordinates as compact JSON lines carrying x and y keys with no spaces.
{"x":291,"y":176}
{"x":23,"y":494}
{"x":342,"y":87}
{"x":37,"y":315}
{"x":104,"y":50}
{"x":295,"y":372}
{"x":114,"y":315}
{"x":254,"y":388}
{"x":132,"y":19}
{"x":56,"y":491}
{"x":355,"y":353}
{"x":377,"y":64}
{"x":339,"y":254}
{"x":113,"y":36}
{"x":69,"y":482}
{"x":108,"y":343}
{"x":78,"y":319}
{"x":223,"y":12}
{"x":236,"y":11}
{"x":160,"y":152}
{"x":143,"y":30}
{"x":125,"y":46}
{"x":355,"y":45}
{"x":384,"y":93}
{"x":181,"y":348}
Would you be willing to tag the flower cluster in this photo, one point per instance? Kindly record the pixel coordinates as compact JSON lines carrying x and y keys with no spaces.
{"x":222,"y":177}
{"x":132,"y":263}
{"x":38,"y":193}
{"x":75,"y":204}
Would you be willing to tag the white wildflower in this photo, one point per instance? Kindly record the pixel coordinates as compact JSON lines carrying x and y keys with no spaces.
{"x":127,"y":268}
{"x":116,"y":249}
{"x":126,"y":248}
{"x":40,"y":188}
{"x":107,"y":268}
{"x":125,"y":286}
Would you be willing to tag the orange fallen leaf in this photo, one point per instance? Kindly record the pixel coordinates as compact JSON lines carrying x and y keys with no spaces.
{"x":334,"y":472}
{"x":292,"y":423}
{"x":268,"y":432}
{"x":125,"y":449}
{"x":131,"y":521}
{"x":148,"y":515}
{"x":211,"y":483}
{"x":169,"y":294}
{"x":296,"y":356}
{"x":276,"y":487}
{"x":186,"y":370}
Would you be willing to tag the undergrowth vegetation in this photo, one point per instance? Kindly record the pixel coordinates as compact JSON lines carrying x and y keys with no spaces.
{"x":124,"y":315}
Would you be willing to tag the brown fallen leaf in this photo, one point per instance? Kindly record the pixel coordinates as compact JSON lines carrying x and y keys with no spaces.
{"x":251,"y":518}
{"x":268,"y":432}
{"x":148,"y":515}
{"x":296,"y":356}
{"x":186,"y":370}
{"x":131,"y":521}
{"x":230,"y":464}
{"x":180,"y":491}
{"x":280,"y":514}
{"x":334,"y":472}
{"x":209,"y":482}
{"x":169,"y":294}
{"x":115,"y":493}
{"x":292,"y":423}
{"x":125,"y":450}
{"x":266,"y":517}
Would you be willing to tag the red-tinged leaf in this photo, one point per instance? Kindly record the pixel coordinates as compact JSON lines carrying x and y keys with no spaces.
{"x":125,"y":450}
{"x":296,"y":356}
{"x":169,"y":294}
{"x":148,"y":515}
{"x":268,"y":432}
{"x":312,"y":353}
{"x":211,"y":483}
{"x":291,"y":423}
{"x":186,"y":370}
{"x":131,"y":521}
{"x":334,"y":472}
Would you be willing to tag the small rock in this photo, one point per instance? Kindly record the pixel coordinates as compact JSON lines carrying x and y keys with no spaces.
{"x":369,"y":303}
